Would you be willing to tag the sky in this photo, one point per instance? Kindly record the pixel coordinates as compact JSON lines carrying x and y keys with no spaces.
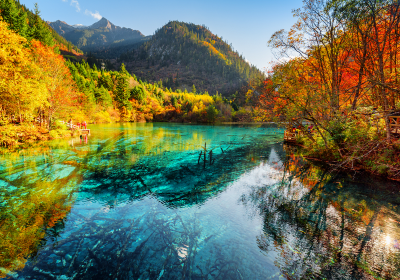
{"x":247,"y":25}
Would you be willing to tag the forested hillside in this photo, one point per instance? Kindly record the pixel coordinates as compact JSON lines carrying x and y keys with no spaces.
{"x":182,"y":54}
{"x":28,"y":24}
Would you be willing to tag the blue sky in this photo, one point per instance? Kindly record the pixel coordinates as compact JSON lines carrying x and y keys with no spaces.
{"x":247,"y":25}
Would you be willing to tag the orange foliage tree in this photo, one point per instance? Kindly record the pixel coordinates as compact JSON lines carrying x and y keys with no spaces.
{"x":63,"y":97}
{"x":347,"y":54}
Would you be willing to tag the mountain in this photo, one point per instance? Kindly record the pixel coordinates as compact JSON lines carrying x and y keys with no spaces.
{"x":182,"y":54}
{"x":98,"y":35}
{"x":105,"y":23}
{"x":61,"y":27}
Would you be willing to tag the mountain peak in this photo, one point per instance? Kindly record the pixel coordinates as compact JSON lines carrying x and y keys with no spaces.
{"x":61,"y":27}
{"x":105,"y":33}
{"x":60,"y":21}
{"x":104,"y":23}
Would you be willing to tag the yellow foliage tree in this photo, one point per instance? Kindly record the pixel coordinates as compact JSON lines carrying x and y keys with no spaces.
{"x":21,"y":86}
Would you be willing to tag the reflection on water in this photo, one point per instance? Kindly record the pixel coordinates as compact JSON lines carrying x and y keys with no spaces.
{"x":132,"y":202}
{"x":330,"y":226}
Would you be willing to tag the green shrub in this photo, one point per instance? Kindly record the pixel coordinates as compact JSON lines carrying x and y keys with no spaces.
{"x":212,"y":113}
{"x":139,"y":94}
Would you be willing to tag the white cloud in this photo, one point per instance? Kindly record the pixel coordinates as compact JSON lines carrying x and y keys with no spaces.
{"x":65,"y":0}
{"x":76,"y":4}
{"x":96,"y":15}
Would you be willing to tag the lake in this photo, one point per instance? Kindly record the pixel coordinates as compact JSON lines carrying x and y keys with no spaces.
{"x":138,"y":201}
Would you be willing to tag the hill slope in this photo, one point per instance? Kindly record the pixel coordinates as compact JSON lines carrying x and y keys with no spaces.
{"x":29,"y":25}
{"x":182,"y":54}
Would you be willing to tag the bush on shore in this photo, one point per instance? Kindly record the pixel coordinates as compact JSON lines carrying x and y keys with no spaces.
{"x":12,"y":136}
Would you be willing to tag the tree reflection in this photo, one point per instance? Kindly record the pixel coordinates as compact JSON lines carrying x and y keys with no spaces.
{"x":161,"y":162}
{"x":325,"y":225}
{"x":34,"y":202}
{"x":39,"y":186}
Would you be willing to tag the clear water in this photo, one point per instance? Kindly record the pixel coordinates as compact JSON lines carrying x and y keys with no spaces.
{"x":135,"y":202}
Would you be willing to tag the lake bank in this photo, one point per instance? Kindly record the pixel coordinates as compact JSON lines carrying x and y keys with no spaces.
{"x":14,"y":137}
{"x":24,"y":136}
{"x":380,"y":158}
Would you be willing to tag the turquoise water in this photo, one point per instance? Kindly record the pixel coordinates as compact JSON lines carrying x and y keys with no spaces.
{"x":138,"y":201}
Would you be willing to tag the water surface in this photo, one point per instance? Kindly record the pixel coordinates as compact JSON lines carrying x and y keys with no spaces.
{"x":138,"y":201}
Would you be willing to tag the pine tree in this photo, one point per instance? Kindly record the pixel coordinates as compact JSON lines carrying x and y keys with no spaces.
{"x":82,"y":69}
{"x":105,"y":81}
{"x":122,"y":93}
{"x":122,"y":70}
{"x":39,"y":30}
{"x":15,"y":17}
{"x":103,"y":97}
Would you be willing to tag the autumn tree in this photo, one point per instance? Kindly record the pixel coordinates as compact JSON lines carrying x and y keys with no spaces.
{"x":22,"y":86}
{"x":319,"y":37}
{"x":377,"y":23}
{"x":63,"y":96}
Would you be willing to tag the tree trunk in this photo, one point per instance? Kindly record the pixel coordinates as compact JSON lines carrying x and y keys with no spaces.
{"x":387,"y":123}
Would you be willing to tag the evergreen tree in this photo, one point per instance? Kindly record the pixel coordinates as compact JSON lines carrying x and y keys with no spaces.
{"x":174,"y":101}
{"x":212,"y":113}
{"x":89,"y":92}
{"x":39,"y":30}
{"x":122,"y":93}
{"x":15,"y":17}
{"x":122,"y":70}
{"x":139,"y":94}
{"x":103,"y":97}
{"x":105,"y":81}
{"x":82,"y":69}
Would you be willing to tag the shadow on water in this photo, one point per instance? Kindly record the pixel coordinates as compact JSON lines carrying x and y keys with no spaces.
{"x":136,"y":203}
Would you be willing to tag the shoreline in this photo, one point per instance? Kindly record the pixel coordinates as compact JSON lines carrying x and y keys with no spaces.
{"x":25,"y":136}
{"x":22,"y":139}
{"x":19,"y":137}
{"x":336,"y":165}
